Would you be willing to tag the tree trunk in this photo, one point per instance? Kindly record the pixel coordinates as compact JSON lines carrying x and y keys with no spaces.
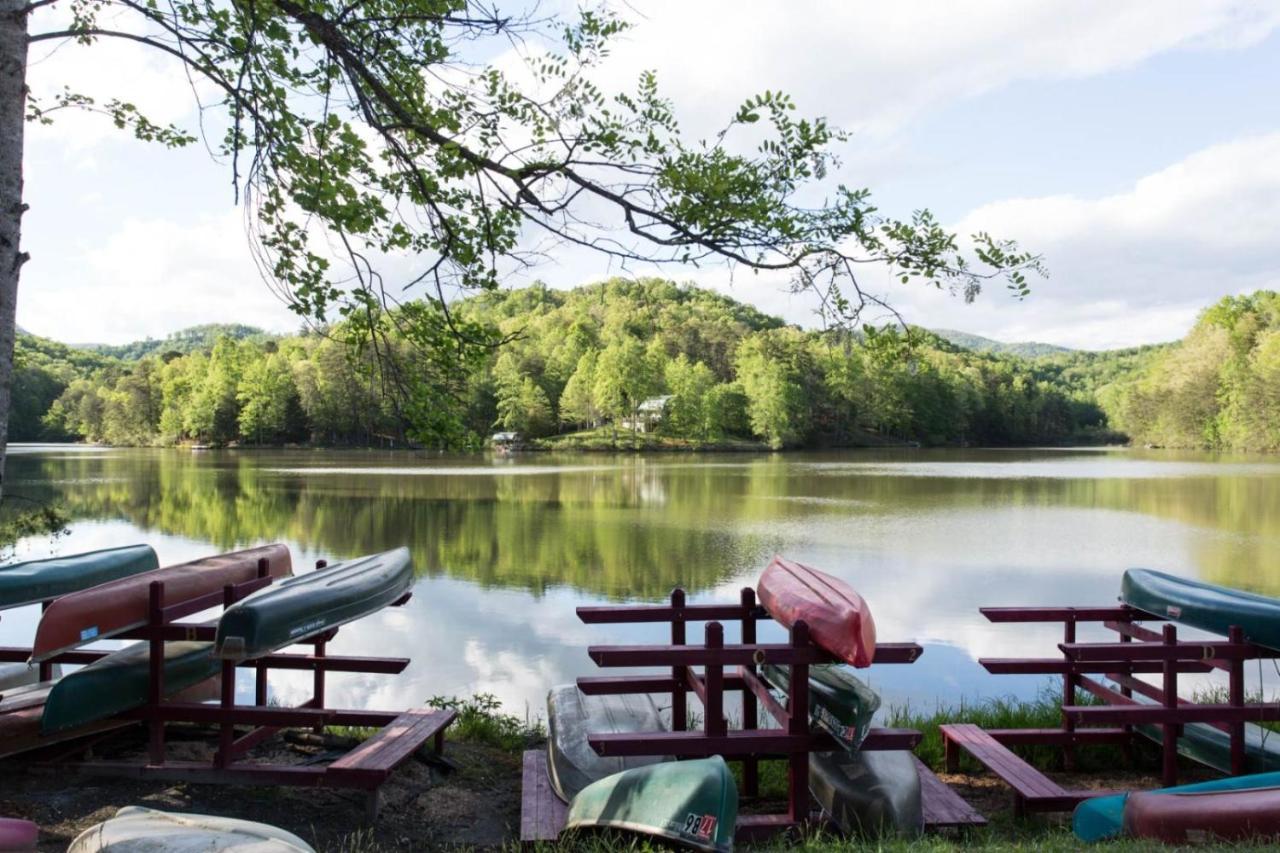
{"x":13,"y":99}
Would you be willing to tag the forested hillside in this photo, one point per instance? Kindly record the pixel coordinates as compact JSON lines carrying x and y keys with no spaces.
{"x":182,"y":342}
{"x":1217,"y":388}
{"x":587,"y":358}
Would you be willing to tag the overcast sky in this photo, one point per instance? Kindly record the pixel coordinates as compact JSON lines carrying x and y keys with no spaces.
{"x":1136,"y":145}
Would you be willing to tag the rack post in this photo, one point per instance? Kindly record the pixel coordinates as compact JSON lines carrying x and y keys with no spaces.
{"x":1169,"y":731}
{"x":798,"y":726}
{"x":227,"y":699}
{"x":260,"y":671}
{"x":155,"y":669}
{"x":679,"y":674}
{"x":1235,"y":689}
{"x":1069,"y":683}
{"x":317,"y":679}
{"x":714,"y":723}
{"x":750,"y":714}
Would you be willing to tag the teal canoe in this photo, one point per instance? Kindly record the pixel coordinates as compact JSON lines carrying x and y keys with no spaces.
{"x":1212,"y":746}
{"x":694,"y":803}
{"x":840,"y":703}
{"x":1202,"y":605}
{"x":119,"y":682}
{"x":305,"y":605}
{"x":869,"y":794}
{"x":42,"y":580}
{"x":573,"y":715}
{"x":1103,"y":817}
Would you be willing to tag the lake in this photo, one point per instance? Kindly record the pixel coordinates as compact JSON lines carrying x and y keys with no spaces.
{"x":506,"y":548}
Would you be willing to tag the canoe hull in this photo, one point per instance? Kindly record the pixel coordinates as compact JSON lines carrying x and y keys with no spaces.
{"x":42,"y":580}
{"x":1191,"y":817}
{"x":121,"y":605}
{"x":572,"y":715}
{"x":838,"y":617}
{"x":17,"y":834}
{"x":305,"y":605}
{"x":869,"y":794}
{"x":694,"y":803}
{"x":839,"y":703}
{"x":141,"y":830}
{"x":1204,"y":606}
{"x":119,"y":682}
{"x":1103,"y":817}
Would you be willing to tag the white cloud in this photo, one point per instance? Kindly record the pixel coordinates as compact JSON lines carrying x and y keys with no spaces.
{"x":150,"y":277}
{"x":872,"y":66}
{"x":1136,"y":266}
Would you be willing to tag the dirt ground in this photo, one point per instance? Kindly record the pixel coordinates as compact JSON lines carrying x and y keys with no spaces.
{"x":423,"y":806}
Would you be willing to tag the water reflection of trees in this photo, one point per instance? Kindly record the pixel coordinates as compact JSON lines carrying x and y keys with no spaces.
{"x":631,"y":529}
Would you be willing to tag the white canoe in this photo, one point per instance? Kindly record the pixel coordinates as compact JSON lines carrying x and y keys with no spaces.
{"x":138,"y":830}
{"x":22,"y":674}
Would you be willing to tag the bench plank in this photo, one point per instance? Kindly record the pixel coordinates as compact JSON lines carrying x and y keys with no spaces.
{"x":396,"y":741}
{"x":943,"y":807}
{"x":1028,"y":782}
{"x":542,"y":814}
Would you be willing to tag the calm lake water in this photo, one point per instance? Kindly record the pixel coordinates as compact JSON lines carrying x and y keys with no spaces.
{"x":506,"y":548}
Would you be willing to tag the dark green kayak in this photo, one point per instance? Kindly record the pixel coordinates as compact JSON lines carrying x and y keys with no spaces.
{"x":1202,"y":605}
{"x":691,"y":802}
{"x":1103,"y":817}
{"x":119,"y":682}
{"x":869,"y":794}
{"x":306,"y":605}
{"x":572,"y":715}
{"x":840,"y":703}
{"x":42,"y":580}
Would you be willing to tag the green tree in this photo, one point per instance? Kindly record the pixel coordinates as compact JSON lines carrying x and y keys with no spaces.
{"x":772,"y":370}
{"x":577,"y":402}
{"x":622,"y":380}
{"x":267,"y":395}
{"x":689,"y":383}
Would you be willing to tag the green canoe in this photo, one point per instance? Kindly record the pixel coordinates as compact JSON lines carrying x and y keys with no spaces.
{"x":119,"y":682}
{"x":1202,"y":605}
{"x":840,"y":704}
{"x":690,"y":802}
{"x":573,"y":715}
{"x":1103,"y":817}
{"x":869,"y":794}
{"x":42,"y":580}
{"x":306,"y":605}
{"x":1212,"y":746}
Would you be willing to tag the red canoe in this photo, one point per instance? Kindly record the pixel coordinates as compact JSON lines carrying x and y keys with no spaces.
{"x":121,"y":605}
{"x":838,"y":619}
{"x":1250,"y":814}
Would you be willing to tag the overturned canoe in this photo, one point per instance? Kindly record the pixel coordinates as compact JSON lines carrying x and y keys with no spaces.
{"x":1202,"y":605}
{"x":140,"y":830}
{"x":306,"y":605}
{"x":119,"y":682}
{"x":42,"y":580}
{"x":869,"y":794}
{"x":840,"y":704}
{"x":690,"y":802}
{"x":1252,"y":814}
{"x":121,"y":605}
{"x":1104,"y":817}
{"x":20,"y":674}
{"x":838,"y":618}
{"x":17,"y":835}
{"x":1211,"y":746}
{"x":572,"y":715}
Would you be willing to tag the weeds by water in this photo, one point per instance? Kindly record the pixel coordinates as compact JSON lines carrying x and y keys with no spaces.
{"x":481,"y":720}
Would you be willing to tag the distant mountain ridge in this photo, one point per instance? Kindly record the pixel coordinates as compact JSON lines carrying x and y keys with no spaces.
{"x":977,"y":343}
{"x":183,"y":341}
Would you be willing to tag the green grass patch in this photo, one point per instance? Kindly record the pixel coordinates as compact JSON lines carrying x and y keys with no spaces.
{"x":606,"y":438}
{"x":480,"y":720}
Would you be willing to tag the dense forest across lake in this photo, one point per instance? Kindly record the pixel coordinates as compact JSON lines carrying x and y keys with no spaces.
{"x":585,"y":362}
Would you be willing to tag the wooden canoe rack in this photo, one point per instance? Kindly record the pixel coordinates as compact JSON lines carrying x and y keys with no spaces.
{"x":707,"y":670}
{"x":1136,"y":650}
{"x":365,"y":767}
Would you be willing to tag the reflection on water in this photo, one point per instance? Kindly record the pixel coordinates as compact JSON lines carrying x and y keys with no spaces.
{"x":506,"y":549}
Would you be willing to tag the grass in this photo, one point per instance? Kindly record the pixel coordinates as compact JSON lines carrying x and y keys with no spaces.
{"x":480,"y":720}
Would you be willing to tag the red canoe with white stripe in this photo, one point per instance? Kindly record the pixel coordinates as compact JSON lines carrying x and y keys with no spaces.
{"x":121,"y":605}
{"x":838,"y":618}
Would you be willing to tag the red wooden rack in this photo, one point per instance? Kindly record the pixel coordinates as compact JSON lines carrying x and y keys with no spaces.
{"x":365,"y":768}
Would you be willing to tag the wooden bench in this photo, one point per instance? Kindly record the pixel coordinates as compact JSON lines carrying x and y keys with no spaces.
{"x":372,"y":762}
{"x":1033,"y":791}
{"x":944,"y":808}
{"x":542,"y":813}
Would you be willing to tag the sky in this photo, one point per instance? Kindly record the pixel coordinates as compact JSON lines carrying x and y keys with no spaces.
{"x":1135,"y":145}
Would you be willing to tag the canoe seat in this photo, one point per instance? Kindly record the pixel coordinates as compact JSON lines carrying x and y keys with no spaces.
{"x":1033,"y":791}
{"x":370,"y":763}
{"x":542,"y":813}
{"x":944,"y":808}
